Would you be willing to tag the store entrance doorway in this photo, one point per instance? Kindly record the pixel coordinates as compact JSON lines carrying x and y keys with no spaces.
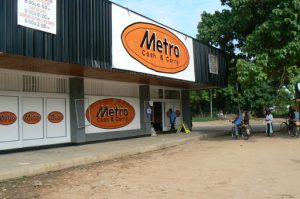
{"x":157,"y":120}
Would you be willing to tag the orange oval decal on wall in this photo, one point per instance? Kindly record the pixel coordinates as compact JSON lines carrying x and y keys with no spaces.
{"x":7,"y":118}
{"x":32,"y":117}
{"x":110,"y":113}
{"x":155,"y":47}
{"x":178,"y":113}
{"x":55,"y":117}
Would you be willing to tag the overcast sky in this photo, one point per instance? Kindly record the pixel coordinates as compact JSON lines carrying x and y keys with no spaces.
{"x":181,"y":15}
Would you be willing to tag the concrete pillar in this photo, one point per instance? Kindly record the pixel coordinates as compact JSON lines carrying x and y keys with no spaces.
{"x":77,"y":120}
{"x":186,"y":111}
{"x":144,"y":99}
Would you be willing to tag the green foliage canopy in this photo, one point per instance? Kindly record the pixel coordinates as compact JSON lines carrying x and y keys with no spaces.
{"x":262,"y":41}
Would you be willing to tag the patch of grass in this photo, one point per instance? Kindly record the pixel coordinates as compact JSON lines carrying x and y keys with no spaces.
{"x":204,"y":118}
{"x":280,"y":114}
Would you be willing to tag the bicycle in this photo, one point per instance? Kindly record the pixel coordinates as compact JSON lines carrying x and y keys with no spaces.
{"x":244,"y":131}
{"x":290,"y":128}
{"x":284,"y":127}
{"x":294,"y":130}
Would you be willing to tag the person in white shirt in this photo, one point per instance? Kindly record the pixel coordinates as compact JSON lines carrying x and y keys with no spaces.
{"x":269,"y":120}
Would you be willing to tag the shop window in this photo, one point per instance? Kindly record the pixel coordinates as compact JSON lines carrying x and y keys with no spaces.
{"x":172,"y":94}
{"x":160,"y":93}
{"x":156,"y":93}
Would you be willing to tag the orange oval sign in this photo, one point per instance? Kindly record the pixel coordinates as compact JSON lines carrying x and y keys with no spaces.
{"x":178,"y":113}
{"x":155,"y":47}
{"x":55,"y":117}
{"x":32,"y":117}
{"x":168,"y":113}
{"x":110,"y":113}
{"x":7,"y":118}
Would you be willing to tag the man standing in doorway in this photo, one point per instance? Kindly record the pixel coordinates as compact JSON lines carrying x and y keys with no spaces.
{"x":172,"y":119}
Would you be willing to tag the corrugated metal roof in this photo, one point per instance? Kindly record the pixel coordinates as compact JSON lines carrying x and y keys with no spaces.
{"x":84,"y":37}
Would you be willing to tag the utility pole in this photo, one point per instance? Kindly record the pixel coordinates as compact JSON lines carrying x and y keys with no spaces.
{"x":211,"y":113}
{"x":238,"y":100}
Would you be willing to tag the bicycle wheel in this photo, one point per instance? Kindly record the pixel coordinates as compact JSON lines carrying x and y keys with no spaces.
{"x":283,"y":128}
{"x":233,"y":132}
{"x":297,"y":132}
{"x":250,"y":128}
{"x":245,"y":134}
{"x":294,"y":132}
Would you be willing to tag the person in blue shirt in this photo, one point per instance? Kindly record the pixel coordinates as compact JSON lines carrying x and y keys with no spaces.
{"x":172,"y":119}
{"x":237,"y":123}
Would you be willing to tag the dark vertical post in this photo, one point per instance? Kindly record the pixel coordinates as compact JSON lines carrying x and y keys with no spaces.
{"x":76,"y":92}
{"x":211,"y":111}
{"x":144,"y":98}
{"x":186,"y":111}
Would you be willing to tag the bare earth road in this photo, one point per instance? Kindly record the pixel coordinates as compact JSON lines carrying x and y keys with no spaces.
{"x":260,"y":167}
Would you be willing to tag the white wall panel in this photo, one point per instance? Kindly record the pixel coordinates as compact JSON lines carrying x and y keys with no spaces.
{"x":33,"y":131}
{"x":57,"y":129}
{"x":10,"y":132}
{"x":22,"y":92}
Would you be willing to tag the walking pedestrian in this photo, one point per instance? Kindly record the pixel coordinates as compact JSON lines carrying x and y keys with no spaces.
{"x":172,"y":119}
{"x":269,"y":120}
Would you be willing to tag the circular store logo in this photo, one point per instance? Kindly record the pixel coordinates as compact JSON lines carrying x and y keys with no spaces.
{"x":32,"y":117}
{"x":55,"y":117}
{"x":155,"y":47}
{"x":7,"y":118}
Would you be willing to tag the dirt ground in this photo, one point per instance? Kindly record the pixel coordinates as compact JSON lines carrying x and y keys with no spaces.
{"x":261,"y":167}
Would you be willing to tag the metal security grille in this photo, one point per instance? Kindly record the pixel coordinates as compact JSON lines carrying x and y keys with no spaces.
{"x":109,"y":88}
{"x":44,"y":84}
{"x":10,"y":81}
{"x":15,"y":81}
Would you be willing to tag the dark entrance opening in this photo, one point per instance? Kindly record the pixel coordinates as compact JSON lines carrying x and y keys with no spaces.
{"x":157,"y":116}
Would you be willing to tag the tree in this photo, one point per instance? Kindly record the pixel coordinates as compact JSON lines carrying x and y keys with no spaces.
{"x":262,"y":42}
{"x":198,"y":100}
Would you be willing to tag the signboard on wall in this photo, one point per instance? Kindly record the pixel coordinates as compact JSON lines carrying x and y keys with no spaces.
{"x":144,"y":46}
{"x":110,"y":113}
{"x":106,"y":114}
{"x":38,"y":14}
{"x":213,"y":64}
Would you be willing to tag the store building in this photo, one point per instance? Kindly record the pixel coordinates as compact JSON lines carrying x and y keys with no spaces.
{"x":90,"y":70}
